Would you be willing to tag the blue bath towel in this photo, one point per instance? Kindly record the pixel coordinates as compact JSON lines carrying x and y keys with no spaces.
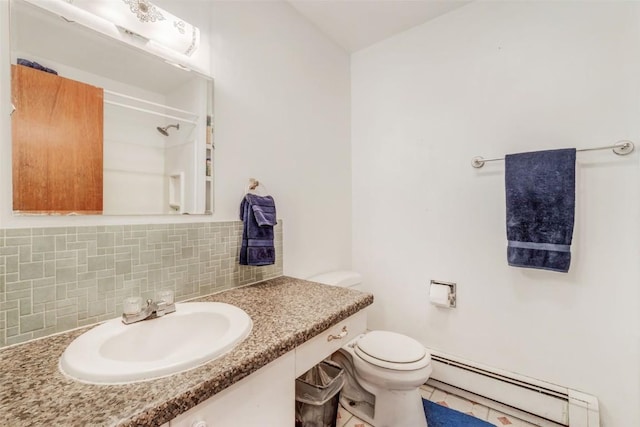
{"x":540,"y":193}
{"x":258,"y":214}
{"x":35,"y":65}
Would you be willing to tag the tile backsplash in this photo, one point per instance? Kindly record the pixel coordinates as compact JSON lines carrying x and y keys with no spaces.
{"x":56,"y":279}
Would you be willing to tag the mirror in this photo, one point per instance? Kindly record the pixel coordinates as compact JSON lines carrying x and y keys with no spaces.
{"x":156,"y":117}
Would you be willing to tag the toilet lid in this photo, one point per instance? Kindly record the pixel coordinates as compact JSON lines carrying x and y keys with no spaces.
{"x":391,"y":347}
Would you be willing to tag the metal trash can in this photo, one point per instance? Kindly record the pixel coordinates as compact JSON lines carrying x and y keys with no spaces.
{"x":317,"y":395}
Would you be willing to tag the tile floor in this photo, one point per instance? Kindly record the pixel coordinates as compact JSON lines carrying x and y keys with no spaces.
{"x":345,"y":419}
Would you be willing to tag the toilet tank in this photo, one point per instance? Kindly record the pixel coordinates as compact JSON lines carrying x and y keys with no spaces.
{"x":342,"y":278}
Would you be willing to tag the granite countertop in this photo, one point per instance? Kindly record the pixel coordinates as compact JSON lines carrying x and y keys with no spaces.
{"x":285,"y":311}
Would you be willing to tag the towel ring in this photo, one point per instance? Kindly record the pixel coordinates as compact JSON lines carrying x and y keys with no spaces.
{"x":255,"y":186}
{"x":253,"y":183}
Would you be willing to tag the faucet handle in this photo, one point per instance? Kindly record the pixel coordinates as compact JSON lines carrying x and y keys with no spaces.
{"x":164,"y":307}
{"x":132,"y":305}
{"x":166,"y":296}
{"x":161,"y":306}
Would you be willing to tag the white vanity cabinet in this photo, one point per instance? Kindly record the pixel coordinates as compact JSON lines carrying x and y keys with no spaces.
{"x":266,"y":398}
{"x":325,"y":343}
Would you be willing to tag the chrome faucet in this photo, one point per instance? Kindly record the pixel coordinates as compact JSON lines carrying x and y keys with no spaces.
{"x":151,"y":311}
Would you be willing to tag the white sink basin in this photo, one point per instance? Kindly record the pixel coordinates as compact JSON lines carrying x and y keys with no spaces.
{"x":115,"y":353}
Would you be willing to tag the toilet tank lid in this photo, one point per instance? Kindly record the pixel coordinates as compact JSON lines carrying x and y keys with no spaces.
{"x":338,"y":278}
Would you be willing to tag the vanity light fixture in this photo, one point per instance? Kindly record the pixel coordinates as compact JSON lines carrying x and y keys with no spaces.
{"x":155,"y":28}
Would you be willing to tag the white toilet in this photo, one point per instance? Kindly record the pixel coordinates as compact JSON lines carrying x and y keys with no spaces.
{"x":384,"y":370}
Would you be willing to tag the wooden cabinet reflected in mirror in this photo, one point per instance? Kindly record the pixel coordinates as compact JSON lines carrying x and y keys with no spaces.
{"x":57,"y":138}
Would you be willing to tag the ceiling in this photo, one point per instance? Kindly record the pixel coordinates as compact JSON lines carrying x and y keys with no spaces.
{"x":356,"y":24}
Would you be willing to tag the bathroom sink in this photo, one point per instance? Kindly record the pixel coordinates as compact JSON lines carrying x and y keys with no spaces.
{"x":115,"y":353}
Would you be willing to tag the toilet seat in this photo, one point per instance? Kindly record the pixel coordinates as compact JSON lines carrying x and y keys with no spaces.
{"x":391,"y":350}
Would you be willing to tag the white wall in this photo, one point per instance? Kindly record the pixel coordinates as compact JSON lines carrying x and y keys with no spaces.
{"x":282,"y":116}
{"x":488,"y":79}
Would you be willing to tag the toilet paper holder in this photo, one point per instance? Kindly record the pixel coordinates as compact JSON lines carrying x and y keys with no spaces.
{"x":452,"y":291}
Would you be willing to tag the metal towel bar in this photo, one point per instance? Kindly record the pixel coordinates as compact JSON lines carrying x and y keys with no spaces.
{"x":621,"y":148}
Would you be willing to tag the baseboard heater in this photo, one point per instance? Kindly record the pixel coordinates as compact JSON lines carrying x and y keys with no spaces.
{"x":517,"y":395}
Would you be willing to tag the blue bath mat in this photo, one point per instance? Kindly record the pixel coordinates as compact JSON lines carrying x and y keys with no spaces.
{"x":441,"y":416}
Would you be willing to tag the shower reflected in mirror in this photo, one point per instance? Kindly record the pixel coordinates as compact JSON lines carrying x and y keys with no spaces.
{"x":165,"y":130}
